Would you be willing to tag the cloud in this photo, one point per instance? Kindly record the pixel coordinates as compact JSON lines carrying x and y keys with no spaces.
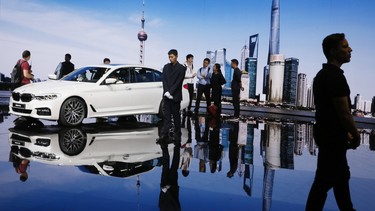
{"x":51,"y":31}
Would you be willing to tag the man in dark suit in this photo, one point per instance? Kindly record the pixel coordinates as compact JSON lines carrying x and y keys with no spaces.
{"x":66,"y":67}
{"x":173,"y":77}
{"x":236,"y":87}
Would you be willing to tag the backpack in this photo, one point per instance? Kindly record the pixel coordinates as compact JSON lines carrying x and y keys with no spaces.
{"x":16,"y":74}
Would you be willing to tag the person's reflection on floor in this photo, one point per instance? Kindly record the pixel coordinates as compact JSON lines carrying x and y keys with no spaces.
{"x":233,"y":148}
{"x":215,"y":152}
{"x":169,"y":189}
{"x":201,"y":148}
{"x":20,"y":165}
{"x":186,"y":152}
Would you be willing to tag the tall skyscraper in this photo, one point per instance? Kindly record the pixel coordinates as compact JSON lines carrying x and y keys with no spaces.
{"x":275,"y":29}
{"x":301,"y":90}
{"x":251,"y":68}
{"x":252,"y":65}
{"x":274,"y":47}
{"x":357,"y":102}
{"x":142,"y":37}
{"x":373,"y":106}
{"x":290,"y":81}
{"x":244,"y":56}
{"x":276,"y":79}
{"x":253,"y":46}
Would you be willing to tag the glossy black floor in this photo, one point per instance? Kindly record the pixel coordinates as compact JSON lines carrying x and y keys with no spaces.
{"x":245,"y":165}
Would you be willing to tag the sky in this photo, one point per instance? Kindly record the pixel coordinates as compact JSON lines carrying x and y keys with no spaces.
{"x":91,"y":30}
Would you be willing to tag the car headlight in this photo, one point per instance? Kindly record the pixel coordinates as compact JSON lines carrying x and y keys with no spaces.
{"x":46,"y":97}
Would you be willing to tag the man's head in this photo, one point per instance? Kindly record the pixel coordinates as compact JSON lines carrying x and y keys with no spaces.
{"x":336,"y":48}
{"x":106,"y":61}
{"x":68,"y":57}
{"x":173,"y":54}
{"x":206,"y":62}
{"x":26,"y":55}
{"x":234,"y":63}
{"x":189,"y":58}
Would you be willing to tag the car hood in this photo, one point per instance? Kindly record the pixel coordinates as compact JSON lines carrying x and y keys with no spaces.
{"x":52,"y":86}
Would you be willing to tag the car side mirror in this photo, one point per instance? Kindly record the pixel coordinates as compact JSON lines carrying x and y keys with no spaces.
{"x":110,"y":81}
{"x":52,"y":76}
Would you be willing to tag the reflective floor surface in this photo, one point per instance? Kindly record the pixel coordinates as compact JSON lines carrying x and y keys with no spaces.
{"x":252,"y":164}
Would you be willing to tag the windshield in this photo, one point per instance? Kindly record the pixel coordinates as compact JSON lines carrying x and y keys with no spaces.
{"x":86,"y":74}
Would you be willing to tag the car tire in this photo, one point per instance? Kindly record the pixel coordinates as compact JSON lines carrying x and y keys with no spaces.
{"x":72,"y":141}
{"x":72,"y":112}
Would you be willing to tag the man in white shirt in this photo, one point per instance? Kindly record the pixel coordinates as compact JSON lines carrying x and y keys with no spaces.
{"x":190,"y":74}
{"x":204,"y":77}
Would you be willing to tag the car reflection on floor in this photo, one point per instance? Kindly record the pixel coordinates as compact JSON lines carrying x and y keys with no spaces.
{"x":110,"y":149}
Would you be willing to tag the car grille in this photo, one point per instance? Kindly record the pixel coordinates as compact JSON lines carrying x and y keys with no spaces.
{"x":20,"y":110}
{"x":23,"y":97}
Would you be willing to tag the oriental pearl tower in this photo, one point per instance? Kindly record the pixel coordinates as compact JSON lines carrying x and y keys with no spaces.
{"x":142,"y":37}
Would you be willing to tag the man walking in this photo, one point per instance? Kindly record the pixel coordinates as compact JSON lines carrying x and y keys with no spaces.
{"x":334,"y":130}
{"x":173,"y":77}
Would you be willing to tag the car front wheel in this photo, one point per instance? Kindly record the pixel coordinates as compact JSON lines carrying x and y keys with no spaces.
{"x":72,"y":112}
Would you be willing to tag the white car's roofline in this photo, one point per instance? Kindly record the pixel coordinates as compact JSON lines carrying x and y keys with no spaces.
{"x":120,"y":65}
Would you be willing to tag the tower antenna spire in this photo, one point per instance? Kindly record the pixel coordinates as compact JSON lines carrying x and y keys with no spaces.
{"x":142,"y":36}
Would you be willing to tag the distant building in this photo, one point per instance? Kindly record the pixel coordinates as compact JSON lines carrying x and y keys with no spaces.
{"x":244,"y":56}
{"x":251,"y":68}
{"x":367,"y":106}
{"x":373,"y":105}
{"x":266,"y":77}
{"x":276,"y":78}
{"x":301,"y":90}
{"x":310,"y":97}
{"x":357,"y":102}
{"x":2,"y":77}
{"x":290,"y":81}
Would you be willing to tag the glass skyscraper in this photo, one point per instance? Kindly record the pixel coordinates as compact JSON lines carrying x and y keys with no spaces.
{"x":251,"y":68}
{"x":290,"y":81}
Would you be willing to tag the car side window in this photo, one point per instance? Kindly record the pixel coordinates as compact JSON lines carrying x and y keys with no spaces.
{"x":157,"y":75}
{"x":122,"y":75}
{"x":144,"y":75}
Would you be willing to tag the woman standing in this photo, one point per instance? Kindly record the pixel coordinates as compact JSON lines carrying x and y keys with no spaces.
{"x":217,"y":80}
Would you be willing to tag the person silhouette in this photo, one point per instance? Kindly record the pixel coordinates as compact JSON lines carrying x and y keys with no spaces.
{"x":334,"y":131}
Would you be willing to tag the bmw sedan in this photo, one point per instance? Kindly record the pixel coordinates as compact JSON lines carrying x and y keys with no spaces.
{"x":91,"y":92}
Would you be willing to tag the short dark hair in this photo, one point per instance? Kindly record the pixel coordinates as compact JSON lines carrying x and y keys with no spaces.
{"x":25,"y":54}
{"x":23,"y":178}
{"x":106,"y":60}
{"x":68,"y":57}
{"x":330,"y":42}
{"x":207,"y":59}
{"x":218,"y":67}
{"x":234,"y":61}
{"x":189,"y":56}
{"x":173,"y":51}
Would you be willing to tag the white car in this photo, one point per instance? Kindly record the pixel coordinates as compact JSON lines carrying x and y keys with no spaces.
{"x":93,"y":91}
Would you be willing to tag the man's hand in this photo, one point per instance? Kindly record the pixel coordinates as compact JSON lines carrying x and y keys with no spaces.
{"x":354,"y":140}
{"x":168,"y":95}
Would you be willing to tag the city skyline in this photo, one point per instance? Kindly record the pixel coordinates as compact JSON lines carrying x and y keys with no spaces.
{"x":93,"y":30}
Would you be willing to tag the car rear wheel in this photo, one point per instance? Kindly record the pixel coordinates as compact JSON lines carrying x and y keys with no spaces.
{"x":72,"y":112}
